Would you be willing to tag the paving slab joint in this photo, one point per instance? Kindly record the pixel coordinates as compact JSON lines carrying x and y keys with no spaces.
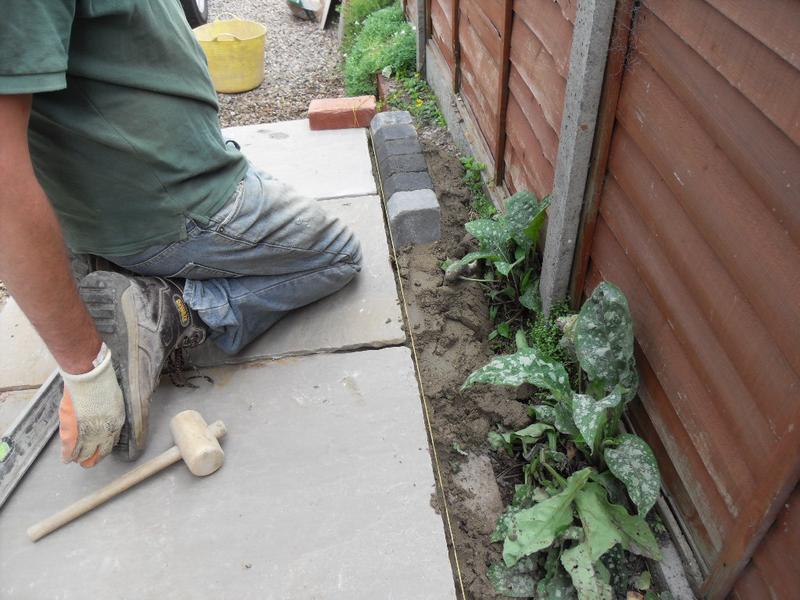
{"x":413,"y":208}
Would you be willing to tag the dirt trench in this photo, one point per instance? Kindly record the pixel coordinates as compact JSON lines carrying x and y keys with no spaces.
{"x":450,"y":324}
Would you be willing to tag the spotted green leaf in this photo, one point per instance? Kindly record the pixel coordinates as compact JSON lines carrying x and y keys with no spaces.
{"x":590,"y":415}
{"x":585,"y":576}
{"x":531,"y":299}
{"x":524,"y":366}
{"x":503,"y":267}
{"x":633,"y":463}
{"x":555,"y":584}
{"x":491,"y":235}
{"x":543,"y":413}
{"x":563,"y":419}
{"x":606,"y":524}
{"x":533,"y":529}
{"x":515,"y":582}
{"x":521,"y":208}
{"x":534,"y":227}
{"x":527,"y":437}
{"x":604,"y":339}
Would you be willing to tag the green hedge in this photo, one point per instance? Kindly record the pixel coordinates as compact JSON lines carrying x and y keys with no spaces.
{"x":355,"y":13}
{"x":386,"y":40}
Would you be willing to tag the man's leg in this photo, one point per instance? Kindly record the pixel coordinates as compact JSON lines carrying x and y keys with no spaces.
{"x":265,"y":253}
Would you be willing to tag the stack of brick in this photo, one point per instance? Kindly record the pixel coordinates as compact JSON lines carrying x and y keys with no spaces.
{"x":412,"y":206}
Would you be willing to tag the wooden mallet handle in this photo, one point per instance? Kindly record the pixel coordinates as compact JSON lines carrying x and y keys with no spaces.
{"x":131,"y":478}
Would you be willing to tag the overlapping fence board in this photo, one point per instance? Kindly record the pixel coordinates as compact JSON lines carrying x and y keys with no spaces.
{"x":522,"y":120}
{"x":698,"y":224}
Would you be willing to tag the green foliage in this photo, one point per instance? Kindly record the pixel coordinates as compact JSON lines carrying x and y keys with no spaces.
{"x":385,"y":41}
{"x":584,"y":493}
{"x":507,"y":246}
{"x":473,"y":179}
{"x":415,"y":96}
{"x":355,"y":14}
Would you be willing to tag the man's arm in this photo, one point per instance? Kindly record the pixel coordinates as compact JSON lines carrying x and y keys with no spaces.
{"x":33,"y":262}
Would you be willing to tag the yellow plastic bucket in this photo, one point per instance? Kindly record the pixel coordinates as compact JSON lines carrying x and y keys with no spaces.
{"x":235,"y":52}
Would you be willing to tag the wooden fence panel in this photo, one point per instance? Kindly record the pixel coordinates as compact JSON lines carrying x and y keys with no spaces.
{"x":699,"y":224}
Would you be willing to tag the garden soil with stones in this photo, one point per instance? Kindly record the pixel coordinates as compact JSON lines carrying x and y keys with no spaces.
{"x":450,"y":324}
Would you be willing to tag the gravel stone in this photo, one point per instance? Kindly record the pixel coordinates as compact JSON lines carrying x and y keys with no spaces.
{"x":301,"y":63}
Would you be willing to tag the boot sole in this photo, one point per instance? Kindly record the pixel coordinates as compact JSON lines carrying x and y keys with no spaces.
{"x":109,"y":298}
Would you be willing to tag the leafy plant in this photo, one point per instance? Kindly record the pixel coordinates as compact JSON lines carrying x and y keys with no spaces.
{"x":473,"y":179}
{"x":416,"y":96}
{"x":569,"y":514}
{"x":386,"y":40}
{"x":507,"y":246}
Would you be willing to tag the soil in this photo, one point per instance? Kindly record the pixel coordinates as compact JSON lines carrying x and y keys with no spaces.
{"x":450,"y":324}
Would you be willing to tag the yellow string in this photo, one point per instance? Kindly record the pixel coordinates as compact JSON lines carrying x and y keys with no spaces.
{"x":440,"y":479}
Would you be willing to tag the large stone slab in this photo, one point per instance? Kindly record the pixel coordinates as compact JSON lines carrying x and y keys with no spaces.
{"x":366,"y":313}
{"x":319,"y":164}
{"x":325,"y":494}
{"x":11,"y":406}
{"x":25,"y":361}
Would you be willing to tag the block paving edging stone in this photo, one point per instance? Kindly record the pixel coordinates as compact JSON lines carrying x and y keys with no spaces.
{"x":412,"y":205}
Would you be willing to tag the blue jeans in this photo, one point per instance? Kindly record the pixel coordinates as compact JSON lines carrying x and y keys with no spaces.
{"x":265,"y":253}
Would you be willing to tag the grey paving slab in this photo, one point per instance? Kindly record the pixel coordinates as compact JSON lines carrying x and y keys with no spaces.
{"x":24,"y":359}
{"x":366,"y":313}
{"x":319,"y":164}
{"x":12,"y":404}
{"x":325,"y":494}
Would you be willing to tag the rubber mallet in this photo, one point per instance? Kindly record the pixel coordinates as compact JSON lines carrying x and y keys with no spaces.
{"x":196,"y":443}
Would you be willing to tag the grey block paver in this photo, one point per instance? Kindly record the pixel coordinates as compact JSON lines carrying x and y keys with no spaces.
{"x":366,"y":313}
{"x":397,"y":148}
{"x":406,"y":182}
{"x":390,"y":117}
{"x":325,"y":493}
{"x":403,"y":163}
{"x":414,"y":217}
{"x":399,"y":131}
{"x":24,"y":359}
{"x":318,"y":164}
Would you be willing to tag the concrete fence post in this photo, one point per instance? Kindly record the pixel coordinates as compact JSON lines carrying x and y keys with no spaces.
{"x":587,"y":63}
{"x":422,"y":34}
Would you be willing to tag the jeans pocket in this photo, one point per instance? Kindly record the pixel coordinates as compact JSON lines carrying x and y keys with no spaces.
{"x":227,"y":213}
{"x":193,"y":270}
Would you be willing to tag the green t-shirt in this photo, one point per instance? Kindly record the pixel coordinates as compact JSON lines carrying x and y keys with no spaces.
{"x":124,"y":131}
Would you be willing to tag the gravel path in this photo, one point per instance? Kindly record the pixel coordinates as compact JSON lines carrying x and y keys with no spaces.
{"x":302,"y":63}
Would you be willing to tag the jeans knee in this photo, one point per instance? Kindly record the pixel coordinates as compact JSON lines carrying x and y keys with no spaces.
{"x":352,"y":251}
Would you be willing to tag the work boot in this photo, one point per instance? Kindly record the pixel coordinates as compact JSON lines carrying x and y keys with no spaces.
{"x":142,"y":320}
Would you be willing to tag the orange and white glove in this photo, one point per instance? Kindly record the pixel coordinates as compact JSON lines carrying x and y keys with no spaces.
{"x":91,"y":413}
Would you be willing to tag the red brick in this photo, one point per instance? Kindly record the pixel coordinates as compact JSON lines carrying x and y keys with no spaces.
{"x":341,"y":113}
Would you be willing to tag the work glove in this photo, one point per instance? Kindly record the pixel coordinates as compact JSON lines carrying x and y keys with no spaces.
{"x":91,"y":413}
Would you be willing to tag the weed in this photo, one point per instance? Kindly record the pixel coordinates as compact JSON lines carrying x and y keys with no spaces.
{"x":473,"y":179}
{"x":385,"y":41}
{"x":415,"y":95}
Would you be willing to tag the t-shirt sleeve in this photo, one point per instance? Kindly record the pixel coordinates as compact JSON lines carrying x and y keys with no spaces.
{"x":34,"y":45}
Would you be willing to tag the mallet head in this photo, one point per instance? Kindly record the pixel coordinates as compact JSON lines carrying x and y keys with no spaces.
{"x":197,"y":442}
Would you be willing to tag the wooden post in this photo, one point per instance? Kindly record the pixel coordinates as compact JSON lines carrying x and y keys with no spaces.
{"x":615,"y":67}
{"x":456,"y":46}
{"x":502,"y":95}
{"x":587,"y":63}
